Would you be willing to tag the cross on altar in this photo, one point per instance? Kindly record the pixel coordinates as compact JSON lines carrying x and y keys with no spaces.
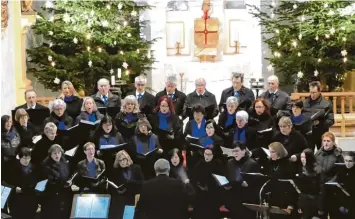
{"x":209,"y":31}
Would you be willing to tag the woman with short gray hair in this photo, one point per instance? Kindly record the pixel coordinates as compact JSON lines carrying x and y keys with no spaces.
{"x":48,"y":138}
{"x":59,"y":115}
{"x":89,"y":111}
{"x":126,"y":120}
{"x":226,"y":120}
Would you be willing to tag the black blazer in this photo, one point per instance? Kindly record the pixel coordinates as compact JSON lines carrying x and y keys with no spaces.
{"x":40,"y":151}
{"x":73,"y":107}
{"x":68,"y":121}
{"x":294,"y":143}
{"x":207,"y":99}
{"x":178,"y":100}
{"x":279,"y":102}
{"x":246,"y":98}
{"x":161,"y":198}
{"x":112,"y":100}
{"x":26,"y":135}
{"x":146,"y":103}
{"x":133,"y":184}
{"x":26,"y":182}
{"x":24,"y":106}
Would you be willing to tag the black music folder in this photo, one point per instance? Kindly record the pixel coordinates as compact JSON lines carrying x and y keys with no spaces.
{"x":221,"y":180}
{"x":36,"y":116}
{"x":93,"y":179}
{"x":111,"y":111}
{"x":110,"y":147}
{"x":148,"y":154}
{"x":337,"y":186}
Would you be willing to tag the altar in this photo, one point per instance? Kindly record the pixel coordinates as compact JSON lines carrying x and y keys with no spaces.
{"x":238,"y":47}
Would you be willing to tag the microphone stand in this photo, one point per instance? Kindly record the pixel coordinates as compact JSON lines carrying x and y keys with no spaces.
{"x":261,"y":216}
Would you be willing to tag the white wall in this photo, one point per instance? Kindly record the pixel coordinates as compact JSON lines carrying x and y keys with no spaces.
{"x":7,"y":67}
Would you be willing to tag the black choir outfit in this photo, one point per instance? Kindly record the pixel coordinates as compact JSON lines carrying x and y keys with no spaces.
{"x":26,"y":133}
{"x":238,"y":194}
{"x":294,"y":142}
{"x":245,"y":98}
{"x":24,"y":204}
{"x":245,"y":135}
{"x":168,"y":128}
{"x":10,"y":142}
{"x":208,"y":193}
{"x":73,"y":105}
{"x":132,"y":179}
{"x":278,"y":100}
{"x":111,"y":100}
{"x":177,"y":97}
{"x":325,"y":116}
{"x":40,"y":151}
{"x":127,"y":123}
{"x":207,"y":99}
{"x":63,"y":122}
{"x":226,"y":123}
{"x":92,"y":117}
{"x":91,"y":169}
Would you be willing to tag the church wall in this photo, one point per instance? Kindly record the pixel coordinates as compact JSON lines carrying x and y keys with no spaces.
{"x":8,"y":71}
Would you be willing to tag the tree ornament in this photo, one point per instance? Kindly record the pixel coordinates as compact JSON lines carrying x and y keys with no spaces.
{"x":50,"y":33}
{"x":316,"y":73}
{"x":66,"y":18}
{"x":119,"y":6}
{"x":75,"y":40}
{"x":344,"y":52}
{"x":52,"y":64}
{"x":300,"y":74}
{"x":104,"y":23}
{"x":129,"y":35}
{"x":90,"y":63}
{"x":111,"y":71}
{"x":295,"y":6}
{"x":134,"y":13}
{"x":50,"y":58}
{"x":56,"y":80}
{"x":125,"y":65}
{"x":326,"y":5}
{"x":270,"y":67}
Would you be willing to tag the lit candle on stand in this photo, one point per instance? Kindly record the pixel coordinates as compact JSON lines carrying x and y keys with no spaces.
{"x":119,"y":73}
{"x":113,"y":80}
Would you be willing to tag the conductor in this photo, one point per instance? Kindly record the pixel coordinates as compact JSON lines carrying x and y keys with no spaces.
{"x":163,"y":197}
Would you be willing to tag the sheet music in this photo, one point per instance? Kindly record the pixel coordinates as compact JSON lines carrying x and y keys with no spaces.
{"x":222,"y":180}
{"x":128,"y":212}
{"x":267,"y":151}
{"x":227,"y":151}
{"x":265,"y":130}
{"x":71,"y":152}
{"x":5,"y":192}
{"x":73,"y":127}
{"x":41,"y":185}
{"x":90,"y":123}
{"x":292,"y":183}
{"x":35,"y":139}
{"x":339,"y":186}
{"x":255,"y":174}
{"x":189,"y":136}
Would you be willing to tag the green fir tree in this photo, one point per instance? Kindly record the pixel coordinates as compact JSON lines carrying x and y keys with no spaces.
{"x":310,"y":38}
{"x":88,"y":40}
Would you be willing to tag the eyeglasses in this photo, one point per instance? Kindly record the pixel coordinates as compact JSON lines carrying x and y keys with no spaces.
{"x":121,"y":160}
{"x":283,"y":126}
{"x":208,"y":154}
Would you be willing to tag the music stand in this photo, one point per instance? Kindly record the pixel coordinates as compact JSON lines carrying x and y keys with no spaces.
{"x":264,"y":209}
{"x":95,"y":206}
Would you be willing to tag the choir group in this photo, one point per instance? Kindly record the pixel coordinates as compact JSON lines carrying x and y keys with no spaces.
{"x":264,"y":151}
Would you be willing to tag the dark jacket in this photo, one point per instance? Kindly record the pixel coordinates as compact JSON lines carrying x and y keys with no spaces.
{"x":347,"y":178}
{"x":24,"y":106}
{"x":259,"y":123}
{"x":294,"y":143}
{"x":327,"y":160}
{"x":112,"y":100}
{"x":202,"y":173}
{"x":278,"y":102}
{"x":146,"y":103}
{"x":161,"y":198}
{"x":26,"y":181}
{"x":83,"y":170}
{"x":73,"y":107}
{"x":188,"y":129}
{"x":104,"y":139}
{"x":250,"y":135}
{"x":206,"y":100}
{"x":178,"y":172}
{"x":246,"y":98}
{"x":57,"y":173}
{"x":178,"y":100}
{"x":85,"y":116}
{"x":126,"y":128}
{"x":9,"y":146}
{"x":133,"y":183}
{"x":165,"y":137}
{"x":40,"y":151}
{"x":68,"y":121}
{"x":144,"y":139}
{"x":325,"y":115}
{"x":27,"y":134}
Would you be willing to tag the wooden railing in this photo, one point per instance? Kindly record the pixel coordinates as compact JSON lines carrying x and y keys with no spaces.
{"x":343,"y":110}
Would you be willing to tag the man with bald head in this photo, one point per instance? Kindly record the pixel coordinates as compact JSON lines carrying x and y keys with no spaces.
{"x":31,"y":101}
{"x":173,"y":93}
{"x":278,"y":99}
{"x":203,"y":97}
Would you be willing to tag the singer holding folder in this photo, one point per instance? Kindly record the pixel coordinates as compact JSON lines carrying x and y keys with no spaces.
{"x":58,"y":115}
{"x":89,"y":111}
{"x":127,"y":178}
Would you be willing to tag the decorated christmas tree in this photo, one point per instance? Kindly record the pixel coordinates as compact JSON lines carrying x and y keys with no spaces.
{"x":88,"y":40}
{"x":310,"y":38}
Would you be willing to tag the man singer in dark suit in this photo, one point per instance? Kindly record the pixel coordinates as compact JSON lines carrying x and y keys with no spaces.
{"x":163,"y":197}
{"x":31,"y":101}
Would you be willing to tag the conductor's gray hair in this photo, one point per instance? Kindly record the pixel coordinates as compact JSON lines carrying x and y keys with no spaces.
{"x":162,"y":166}
{"x":55,"y":103}
{"x":242,"y":115}
{"x":232,"y":100}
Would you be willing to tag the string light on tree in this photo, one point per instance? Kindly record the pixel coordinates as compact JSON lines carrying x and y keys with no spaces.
{"x":319,"y":60}
{"x":129,"y":35}
{"x":331,"y":13}
{"x":138,"y":51}
{"x":272,"y":15}
{"x":52,"y":64}
{"x":50,"y":44}
{"x":119,"y":6}
{"x":344,"y":39}
{"x":51,"y":19}
{"x":125,"y":23}
{"x":88,"y":36}
{"x":104,"y":23}
{"x":270,"y":68}
{"x":88,"y":48}
{"x":294,"y":44}
{"x":326,"y":5}
{"x":49,"y":4}
{"x":118,"y":27}
{"x":279,"y":43}
{"x":134,"y":13}
{"x":345,"y":59}
{"x":99,"y":49}
{"x":125,"y":65}
{"x":344,"y":52}
{"x":149,"y":55}
{"x":50,"y":58}
{"x":115,"y":43}
{"x":75,"y":40}
{"x":299,"y":54}
{"x":332,"y":30}
{"x":127,"y":72}
{"x":295,"y":6}
{"x":342,"y":28}
{"x":327,"y":36}
{"x":111,"y":71}
{"x":92,"y":12}
{"x":50,"y":33}
{"x":277,"y":31}
{"x":121,"y":52}
{"x":317,"y":38}
{"x":300,"y":36}
{"x":66,"y":18}
{"x":108,"y":6}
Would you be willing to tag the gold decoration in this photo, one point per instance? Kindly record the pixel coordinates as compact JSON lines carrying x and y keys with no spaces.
{"x":178,"y":48}
{"x":4,"y":15}
{"x":237,"y":47}
{"x":26,"y":6}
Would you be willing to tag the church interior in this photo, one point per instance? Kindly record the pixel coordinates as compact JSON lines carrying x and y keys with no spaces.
{"x":177,"y":109}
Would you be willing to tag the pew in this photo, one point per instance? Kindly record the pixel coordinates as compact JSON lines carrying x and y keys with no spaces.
{"x":343,"y":108}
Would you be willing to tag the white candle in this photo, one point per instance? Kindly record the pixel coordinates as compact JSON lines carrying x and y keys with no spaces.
{"x":119,"y":73}
{"x":113,"y":80}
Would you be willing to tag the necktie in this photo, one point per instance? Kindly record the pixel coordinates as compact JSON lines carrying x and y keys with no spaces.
{"x":236,"y":94}
{"x":105,"y":99}
{"x":139,"y":96}
{"x":171,"y":96}
{"x":25,"y":127}
{"x":272,"y":97}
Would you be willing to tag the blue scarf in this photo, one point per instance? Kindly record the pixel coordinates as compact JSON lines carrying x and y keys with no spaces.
{"x":127,"y":173}
{"x":68,"y":99}
{"x":92,"y":117}
{"x":107,"y":141}
{"x":27,"y":169}
{"x":198,"y":132}
{"x":207,"y":141}
{"x":11,"y":134}
{"x":62,"y":126}
{"x":230,"y":119}
{"x":92,"y":169}
{"x":151,"y":145}
{"x":239,"y":135}
{"x":297,"y":119}
{"x":163,"y":120}
{"x":129,"y":117}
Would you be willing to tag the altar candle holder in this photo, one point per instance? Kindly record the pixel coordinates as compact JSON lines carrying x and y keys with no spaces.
{"x":178,"y":48}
